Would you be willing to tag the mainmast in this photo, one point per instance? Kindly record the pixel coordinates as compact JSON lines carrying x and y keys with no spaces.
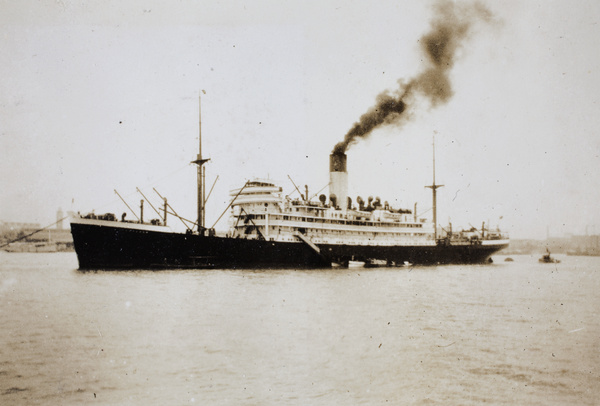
{"x":201,"y":172}
{"x":434,"y":188}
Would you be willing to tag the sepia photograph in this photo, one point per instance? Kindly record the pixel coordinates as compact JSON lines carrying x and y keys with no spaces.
{"x":299,"y":203}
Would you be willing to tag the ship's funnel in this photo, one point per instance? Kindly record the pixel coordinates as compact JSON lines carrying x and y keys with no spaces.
{"x":338,"y":179}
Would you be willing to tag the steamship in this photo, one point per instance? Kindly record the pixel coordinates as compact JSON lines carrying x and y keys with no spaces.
{"x":268,"y":229}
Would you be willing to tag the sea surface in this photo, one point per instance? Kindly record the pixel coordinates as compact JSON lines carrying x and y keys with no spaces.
{"x":509,"y":333}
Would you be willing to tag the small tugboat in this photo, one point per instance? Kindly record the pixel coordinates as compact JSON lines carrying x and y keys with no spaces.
{"x":547,"y":259}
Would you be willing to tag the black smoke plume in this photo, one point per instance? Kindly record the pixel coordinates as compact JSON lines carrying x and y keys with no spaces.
{"x":451,"y":24}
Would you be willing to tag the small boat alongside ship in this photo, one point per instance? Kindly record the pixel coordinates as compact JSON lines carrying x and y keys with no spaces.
{"x":268,"y":229}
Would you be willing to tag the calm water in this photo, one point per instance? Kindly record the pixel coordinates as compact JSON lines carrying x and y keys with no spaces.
{"x":509,"y":333}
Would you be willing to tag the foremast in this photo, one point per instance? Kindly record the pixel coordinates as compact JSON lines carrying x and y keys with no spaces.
{"x":201,"y":174}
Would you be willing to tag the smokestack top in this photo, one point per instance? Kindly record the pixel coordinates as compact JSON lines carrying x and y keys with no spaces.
{"x":337,"y":162}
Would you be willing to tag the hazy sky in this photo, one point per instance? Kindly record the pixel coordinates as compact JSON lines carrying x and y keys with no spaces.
{"x":104,"y":95}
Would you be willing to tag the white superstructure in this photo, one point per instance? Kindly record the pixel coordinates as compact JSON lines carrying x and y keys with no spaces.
{"x":260,"y":211}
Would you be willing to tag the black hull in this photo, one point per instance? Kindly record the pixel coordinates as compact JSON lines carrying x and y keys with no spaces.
{"x":108,"y":247}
